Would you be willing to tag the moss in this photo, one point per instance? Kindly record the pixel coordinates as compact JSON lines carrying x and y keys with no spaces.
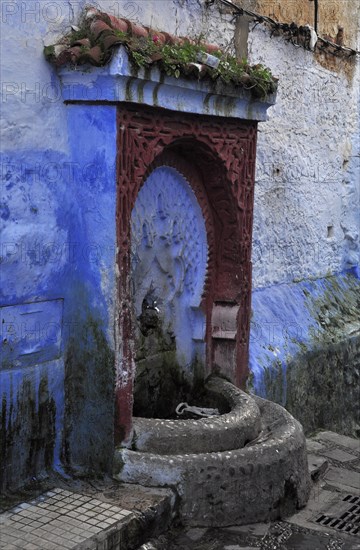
{"x":250,"y":386}
{"x":274,"y":381}
{"x":322,"y":387}
{"x":134,"y":442}
{"x":49,"y":52}
{"x":140,"y":91}
{"x":207,"y":102}
{"x":119,"y":464}
{"x":155,"y":94}
{"x":128,"y":91}
{"x":224,"y":105}
{"x":335,"y":310}
{"x":322,"y":379}
{"x":89,"y":399}
{"x":175,"y":60}
{"x":27,"y":433}
{"x":161,"y":383}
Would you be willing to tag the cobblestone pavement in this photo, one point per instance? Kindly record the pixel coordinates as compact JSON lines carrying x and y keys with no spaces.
{"x":277,"y":536}
{"x":330,"y":521}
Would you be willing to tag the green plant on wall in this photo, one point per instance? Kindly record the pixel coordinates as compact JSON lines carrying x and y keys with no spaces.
{"x":174,"y":60}
{"x":185,"y":58}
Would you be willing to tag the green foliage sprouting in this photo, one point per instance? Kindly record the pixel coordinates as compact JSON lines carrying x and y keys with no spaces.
{"x":176,"y":60}
{"x":179,"y":59}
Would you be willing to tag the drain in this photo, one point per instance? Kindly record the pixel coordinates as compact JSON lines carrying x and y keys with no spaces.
{"x":348,"y":521}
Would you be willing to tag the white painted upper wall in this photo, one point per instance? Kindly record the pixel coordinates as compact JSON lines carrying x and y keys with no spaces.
{"x":307,"y":191}
{"x":307,"y":183}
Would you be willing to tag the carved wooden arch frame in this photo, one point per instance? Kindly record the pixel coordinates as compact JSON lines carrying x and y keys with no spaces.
{"x":217,"y":156}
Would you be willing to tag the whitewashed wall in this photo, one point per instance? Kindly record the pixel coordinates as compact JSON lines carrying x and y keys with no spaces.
{"x":307,"y":185}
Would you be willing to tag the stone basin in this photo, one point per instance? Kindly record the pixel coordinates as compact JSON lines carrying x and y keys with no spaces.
{"x":248,"y":466}
{"x":228,"y":431}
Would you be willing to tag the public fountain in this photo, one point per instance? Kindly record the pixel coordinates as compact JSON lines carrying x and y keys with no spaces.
{"x":242,"y":459}
{"x":185,"y":175}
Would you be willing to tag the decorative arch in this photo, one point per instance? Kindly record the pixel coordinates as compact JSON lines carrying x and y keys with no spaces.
{"x":217,"y":157}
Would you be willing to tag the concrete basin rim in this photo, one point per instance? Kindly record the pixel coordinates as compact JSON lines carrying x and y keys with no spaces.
{"x":291,"y":438}
{"x":236,"y":413}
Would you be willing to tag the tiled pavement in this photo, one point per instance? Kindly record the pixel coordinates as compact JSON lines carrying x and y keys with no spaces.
{"x":88,"y":516}
{"x":58,"y":520}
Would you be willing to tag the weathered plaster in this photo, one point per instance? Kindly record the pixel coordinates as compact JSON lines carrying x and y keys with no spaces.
{"x":32,"y":408}
{"x":58,"y":247}
{"x":304,"y":350}
{"x":331,"y":15}
{"x":303,"y":181}
{"x":306,"y":227}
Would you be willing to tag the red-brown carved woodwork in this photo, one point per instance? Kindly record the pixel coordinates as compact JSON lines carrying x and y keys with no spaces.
{"x":217,"y":157}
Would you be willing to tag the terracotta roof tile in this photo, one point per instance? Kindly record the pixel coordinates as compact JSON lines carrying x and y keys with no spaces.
{"x":98,"y":26}
{"x":99,"y":33}
{"x":94,"y":55}
{"x":138,"y":30}
{"x":110,"y":41}
{"x":122,"y":25}
{"x":85,"y":42}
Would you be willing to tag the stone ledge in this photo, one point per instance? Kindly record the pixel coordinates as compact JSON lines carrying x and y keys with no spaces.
{"x":117,"y":517}
{"x":117,"y":82}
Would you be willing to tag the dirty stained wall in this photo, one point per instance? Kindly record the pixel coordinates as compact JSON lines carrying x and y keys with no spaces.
{"x":58,"y":223}
{"x":331,"y":15}
{"x":57,"y":244}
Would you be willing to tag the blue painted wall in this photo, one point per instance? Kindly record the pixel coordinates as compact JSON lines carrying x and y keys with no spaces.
{"x":305,"y":350}
{"x":58,"y":256}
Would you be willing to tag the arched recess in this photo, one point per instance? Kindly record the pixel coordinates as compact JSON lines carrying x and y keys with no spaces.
{"x":217,"y":158}
{"x":169,"y":250}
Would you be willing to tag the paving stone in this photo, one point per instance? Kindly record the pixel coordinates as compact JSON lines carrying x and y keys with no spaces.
{"x":314,"y":446}
{"x":340,"y":455}
{"x":319,"y":502}
{"x":344,"y":479}
{"x":256,"y":529}
{"x":310,"y":541}
{"x":195,"y":533}
{"x":342,"y":440}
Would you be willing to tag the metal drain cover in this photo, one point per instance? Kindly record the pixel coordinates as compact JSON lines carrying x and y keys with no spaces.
{"x":347,"y":520}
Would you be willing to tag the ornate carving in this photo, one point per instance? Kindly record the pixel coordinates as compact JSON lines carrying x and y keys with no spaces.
{"x":169,"y":255}
{"x":217,"y":157}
